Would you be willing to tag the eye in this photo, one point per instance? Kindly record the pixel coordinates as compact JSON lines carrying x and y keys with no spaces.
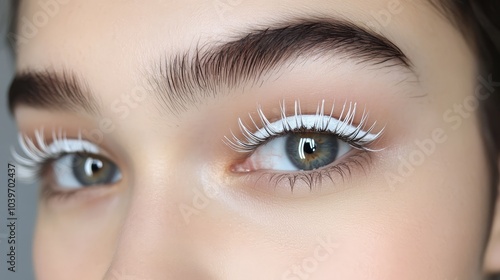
{"x":79,"y":170}
{"x":302,"y":142}
{"x":69,"y":164}
{"x":298,"y":152}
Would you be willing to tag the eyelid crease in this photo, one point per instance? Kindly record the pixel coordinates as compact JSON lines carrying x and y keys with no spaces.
{"x":342,"y":127}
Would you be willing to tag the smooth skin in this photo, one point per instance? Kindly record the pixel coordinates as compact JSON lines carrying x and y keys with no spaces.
{"x":401,"y":216}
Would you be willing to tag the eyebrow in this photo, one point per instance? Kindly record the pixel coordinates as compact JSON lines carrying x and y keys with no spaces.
{"x":186,"y":79}
{"x":52,"y":90}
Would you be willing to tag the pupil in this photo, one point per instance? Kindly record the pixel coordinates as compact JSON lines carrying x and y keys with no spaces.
{"x":92,"y":170}
{"x":309,"y":146}
{"x":309,"y":151}
{"x":95,"y":167}
{"x":92,"y":166}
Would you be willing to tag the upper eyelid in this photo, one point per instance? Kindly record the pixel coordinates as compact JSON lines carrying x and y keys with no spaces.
{"x":60,"y":143}
{"x":344,"y":128}
{"x":33,"y":156}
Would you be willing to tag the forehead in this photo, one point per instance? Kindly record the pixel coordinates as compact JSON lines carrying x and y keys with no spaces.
{"x":94,"y":27}
{"x":111,"y":43}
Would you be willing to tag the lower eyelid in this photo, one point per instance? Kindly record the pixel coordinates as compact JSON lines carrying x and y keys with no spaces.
{"x":56,"y":198}
{"x":336,"y":175}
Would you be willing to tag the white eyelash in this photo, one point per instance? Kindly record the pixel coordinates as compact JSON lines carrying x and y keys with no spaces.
{"x":32,"y":156}
{"x":319,"y":122}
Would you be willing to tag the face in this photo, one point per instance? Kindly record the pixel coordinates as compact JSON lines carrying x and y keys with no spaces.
{"x":251,"y":140}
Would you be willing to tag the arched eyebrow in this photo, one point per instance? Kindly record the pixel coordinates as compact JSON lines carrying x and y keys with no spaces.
{"x":186,"y":79}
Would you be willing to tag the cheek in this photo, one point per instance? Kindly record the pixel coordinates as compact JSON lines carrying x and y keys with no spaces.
{"x":435,"y":221}
{"x":431,"y":225}
{"x":409,"y":242}
{"x":78,"y":256}
{"x":76,"y":244}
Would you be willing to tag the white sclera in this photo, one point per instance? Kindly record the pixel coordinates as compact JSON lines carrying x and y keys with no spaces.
{"x":273,"y":155}
{"x":63,"y":167}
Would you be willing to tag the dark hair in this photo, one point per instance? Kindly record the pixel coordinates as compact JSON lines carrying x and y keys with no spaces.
{"x":482,"y":20}
{"x":486,"y":31}
{"x":479,"y":21}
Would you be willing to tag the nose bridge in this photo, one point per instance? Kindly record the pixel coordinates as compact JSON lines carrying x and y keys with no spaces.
{"x":154,"y":241}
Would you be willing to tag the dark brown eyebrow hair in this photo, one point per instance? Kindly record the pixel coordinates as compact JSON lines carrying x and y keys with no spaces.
{"x":52,"y":90}
{"x":188,"y":78}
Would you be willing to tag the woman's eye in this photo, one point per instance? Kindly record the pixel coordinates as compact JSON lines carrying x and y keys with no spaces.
{"x":297,"y":152}
{"x":302,"y":142}
{"x":73,"y":171}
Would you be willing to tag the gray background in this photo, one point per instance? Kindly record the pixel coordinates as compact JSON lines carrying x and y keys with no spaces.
{"x":26,"y":195}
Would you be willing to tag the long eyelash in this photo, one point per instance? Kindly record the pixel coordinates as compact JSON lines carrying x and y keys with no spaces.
{"x":315,"y":178}
{"x":358,"y":138}
{"x":35,"y":153}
